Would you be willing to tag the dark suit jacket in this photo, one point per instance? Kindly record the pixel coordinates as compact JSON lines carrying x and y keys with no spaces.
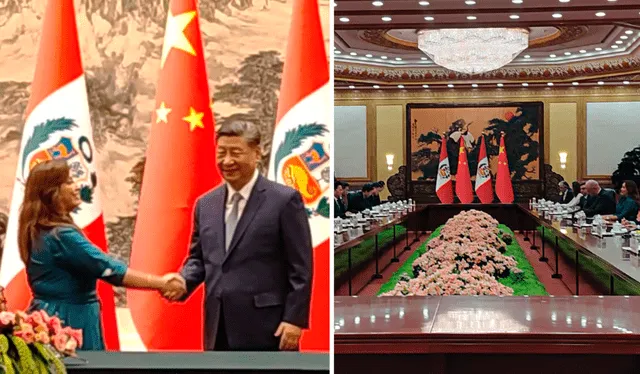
{"x":567,"y":197}
{"x":374,"y":200}
{"x":603,"y":203}
{"x":265,"y":276}
{"x":339,"y":209}
{"x":357,"y":202}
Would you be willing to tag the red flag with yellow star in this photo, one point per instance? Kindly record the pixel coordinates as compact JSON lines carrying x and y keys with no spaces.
{"x":464,"y":190}
{"x":504,"y":188}
{"x":180,"y":166}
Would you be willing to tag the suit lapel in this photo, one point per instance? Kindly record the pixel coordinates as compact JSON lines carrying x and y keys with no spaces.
{"x":219,"y":205}
{"x":251,"y":208}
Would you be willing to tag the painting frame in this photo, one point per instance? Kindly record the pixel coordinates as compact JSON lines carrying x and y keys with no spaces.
{"x":424,"y":190}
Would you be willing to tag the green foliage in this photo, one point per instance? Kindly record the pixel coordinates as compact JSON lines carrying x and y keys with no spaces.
{"x":16,"y":356}
{"x":592,"y":267}
{"x":364,"y":251}
{"x":323,"y":208}
{"x":525,"y":283}
{"x":628,"y":168}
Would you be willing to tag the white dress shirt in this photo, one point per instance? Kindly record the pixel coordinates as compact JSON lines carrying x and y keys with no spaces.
{"x":575,"y":201}
{"x":245,"y":192}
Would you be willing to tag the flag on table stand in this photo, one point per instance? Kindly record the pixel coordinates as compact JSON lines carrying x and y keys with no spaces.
{"x":180,"y":166}
{"x":58,"y":126}
{"x":301,"y":142}
{"x":444,"y":185}
{"x":464,"y":191}
{"x":483,"y":176}
{"x":504,"y":188}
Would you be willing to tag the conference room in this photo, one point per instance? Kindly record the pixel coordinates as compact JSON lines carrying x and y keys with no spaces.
{"x":504,"y":235}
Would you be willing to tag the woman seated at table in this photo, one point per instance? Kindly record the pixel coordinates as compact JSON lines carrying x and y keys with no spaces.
{"x":628,"y":204}
{"x":580,"y":191}
{"x":62,"y":265}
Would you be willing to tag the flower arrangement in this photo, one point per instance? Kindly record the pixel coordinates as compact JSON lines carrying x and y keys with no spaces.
{"x":35,"y":343}
{"x":466,"y":259}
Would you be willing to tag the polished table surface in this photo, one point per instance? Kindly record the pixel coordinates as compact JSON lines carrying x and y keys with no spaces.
{"x":607,"y":249}
{"x":487,"y":324}
{"x":209,"y":361}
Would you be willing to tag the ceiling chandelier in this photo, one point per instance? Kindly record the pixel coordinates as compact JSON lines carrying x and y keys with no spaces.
{"x":473,"y":51}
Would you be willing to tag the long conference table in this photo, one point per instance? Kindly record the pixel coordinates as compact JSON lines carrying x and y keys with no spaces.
{"x":463,"y":334}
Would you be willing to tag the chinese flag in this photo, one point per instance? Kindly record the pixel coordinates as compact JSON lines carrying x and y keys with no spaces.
{"x":483,"y":176}
{"x":58,"y":95}
{"x":464,"y":190}
{"x":180,"y":167}
{"x":504,"y":189}
{"x":444,"y":187}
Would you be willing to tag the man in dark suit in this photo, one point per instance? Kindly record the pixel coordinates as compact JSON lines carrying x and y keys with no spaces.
{"x":339,"y":209}
{"x":251,"y":246}
{"x":566,"y":194}
{"x":345,"y":195}
{"x":600,"y":202}
{"x":359,"y":200}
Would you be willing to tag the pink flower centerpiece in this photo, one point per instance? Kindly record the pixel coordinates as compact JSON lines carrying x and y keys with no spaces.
{"x":35,"y":342}
{"x":466,"y":259}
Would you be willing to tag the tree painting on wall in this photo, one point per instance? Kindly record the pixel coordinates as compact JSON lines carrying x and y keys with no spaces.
{"x":520,"y":123}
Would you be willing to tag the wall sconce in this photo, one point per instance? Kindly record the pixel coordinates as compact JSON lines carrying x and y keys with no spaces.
{"x":563,"y":159}
{"x":390,"y":161}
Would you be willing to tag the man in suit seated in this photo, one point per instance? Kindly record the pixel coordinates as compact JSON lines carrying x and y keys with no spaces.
{"x":602,"y":202}
{"x":339,"y":209}
{"x":566,"y":194}
{"x":359,"y":200}
{"x":345,"y":195}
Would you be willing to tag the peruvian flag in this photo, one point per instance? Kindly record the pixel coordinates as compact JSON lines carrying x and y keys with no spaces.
{"x":483,"y":176}
{"x":301,"y":142}
{"x":444,"y":185}
{"x":504,"y":188}
{"x":464,"y":191}
{"x":58,"y":126}
{"x":180,"y":166}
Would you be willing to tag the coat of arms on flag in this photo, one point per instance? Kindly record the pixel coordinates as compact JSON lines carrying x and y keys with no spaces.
{"x":52,"y":140}
{"x":444,"y":171}
{"x":483,"y":170}
{"x":306,"y":169}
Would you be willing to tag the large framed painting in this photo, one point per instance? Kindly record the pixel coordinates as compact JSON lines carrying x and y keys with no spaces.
{"x":520,"y":122}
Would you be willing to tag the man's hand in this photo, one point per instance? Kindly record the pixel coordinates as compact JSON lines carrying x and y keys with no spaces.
{"x":174,"y":286}
{"x":289,"y":336}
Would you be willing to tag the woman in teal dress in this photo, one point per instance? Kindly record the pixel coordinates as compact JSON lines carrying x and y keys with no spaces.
{"x":628,"y":204}
{"x":62,"y":265}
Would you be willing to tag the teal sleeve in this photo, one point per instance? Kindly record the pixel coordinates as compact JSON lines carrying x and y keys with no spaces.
{"x":627,"y":209}
{"x":75,"y":253}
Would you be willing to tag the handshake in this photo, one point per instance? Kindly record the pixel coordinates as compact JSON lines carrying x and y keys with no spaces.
{"x":173,"y":286}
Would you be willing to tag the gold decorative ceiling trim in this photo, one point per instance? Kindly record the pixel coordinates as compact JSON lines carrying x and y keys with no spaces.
{"x":578,"y":71}
{"x":526,"y":94}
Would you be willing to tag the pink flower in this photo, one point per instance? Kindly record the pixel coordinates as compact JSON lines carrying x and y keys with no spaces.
{"x":54,"y":325}
{"x":7,"y":319}
{"x":60,"y":341}
{"x":42,"y":337}
{"x":75,"y":334}
{"x":25,"y":332}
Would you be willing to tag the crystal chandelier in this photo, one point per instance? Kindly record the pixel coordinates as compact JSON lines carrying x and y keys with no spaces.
{"x":473,"y":51}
